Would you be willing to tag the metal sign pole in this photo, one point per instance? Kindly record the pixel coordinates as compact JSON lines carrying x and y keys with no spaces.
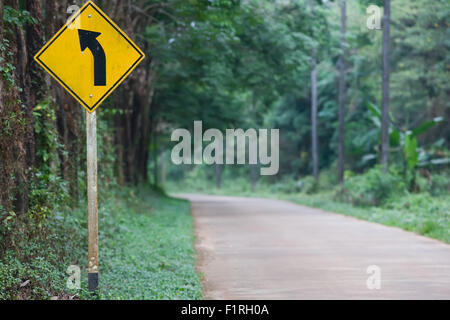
{"x":91,"y":139}
{"x":114,"y":56}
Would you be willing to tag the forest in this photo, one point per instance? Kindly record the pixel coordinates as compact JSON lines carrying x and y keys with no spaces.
{"x":359,"y":90}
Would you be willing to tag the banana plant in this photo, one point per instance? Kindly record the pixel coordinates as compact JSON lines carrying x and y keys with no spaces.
{"x":406,"y":141}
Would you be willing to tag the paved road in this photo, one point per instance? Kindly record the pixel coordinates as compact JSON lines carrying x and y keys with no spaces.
{"x":268,"y":249}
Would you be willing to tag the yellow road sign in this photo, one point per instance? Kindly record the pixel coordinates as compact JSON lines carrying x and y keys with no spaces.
{"x":90,"y":56}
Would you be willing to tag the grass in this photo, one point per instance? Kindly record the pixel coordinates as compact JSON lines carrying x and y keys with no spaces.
{"x":145,"y":244}
{"x":146,"y":248}
{"x":417,"y":213}
{"x":34,"y":258}
{"x":420,"y":213}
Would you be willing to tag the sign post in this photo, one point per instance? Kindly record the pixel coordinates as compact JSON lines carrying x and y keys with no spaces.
{"x":91,"y":148}
{"x":90,"y":56}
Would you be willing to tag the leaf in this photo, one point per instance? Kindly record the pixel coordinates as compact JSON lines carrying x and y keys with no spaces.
{"x":394,"y":138}
{"x":374,"y":109}
{"x":410,"y":150}
{"x":426,"y":126}
{"x":440,"y":161}
{"x":377,"y":122}
{"x":24,"y":284}
{"x":368,"y":157}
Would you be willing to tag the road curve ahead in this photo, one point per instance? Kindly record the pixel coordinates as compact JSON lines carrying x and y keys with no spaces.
{"x":252,"y":248}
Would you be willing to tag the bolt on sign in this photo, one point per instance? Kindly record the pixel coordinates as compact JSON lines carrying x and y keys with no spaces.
{"x":90,"y":56}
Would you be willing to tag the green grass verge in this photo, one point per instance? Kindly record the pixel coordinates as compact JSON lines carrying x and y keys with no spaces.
{"x":420,"y":213}
{"x":146,"y":248}
{"x":145,"y":243}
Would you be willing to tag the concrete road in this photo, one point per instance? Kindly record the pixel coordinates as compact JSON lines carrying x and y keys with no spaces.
{"x":267,"y":249}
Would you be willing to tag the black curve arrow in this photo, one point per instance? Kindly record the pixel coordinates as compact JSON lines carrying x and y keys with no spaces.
{"x":88,"y":39}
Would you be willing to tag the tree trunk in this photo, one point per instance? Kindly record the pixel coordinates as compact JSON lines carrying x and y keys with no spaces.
{"x":385,"y":85}
{"x":68,"y":112}
{"x":342,"y":93}
{"x":34,"y":88}
{"x":163,"y":171}
{"x":19,"y":159}
{"x":1,"y":55}
{"x":16,"y":158}
{"x":254,"y":175}
{"x":155,"y":158}
{"x":132,"y":128}
{"x":134,"y":97}
{"x":314,"y":107}
{"x":254,"y":167}
{"x":219,"y":170}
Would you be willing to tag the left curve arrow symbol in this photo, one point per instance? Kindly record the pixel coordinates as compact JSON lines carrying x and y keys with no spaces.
{"x":88,"y":39}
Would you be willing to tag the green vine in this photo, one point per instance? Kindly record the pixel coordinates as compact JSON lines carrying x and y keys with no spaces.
{"x":16,"y":18}
{"x":6,"y":67}
{"x":12,"y":19}
{"x":48,"y":188}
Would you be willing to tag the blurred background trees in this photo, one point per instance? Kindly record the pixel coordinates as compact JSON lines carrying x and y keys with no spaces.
{"x":229,"y":63}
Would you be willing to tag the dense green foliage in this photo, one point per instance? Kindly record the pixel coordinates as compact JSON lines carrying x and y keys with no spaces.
{"x":256,"y":73}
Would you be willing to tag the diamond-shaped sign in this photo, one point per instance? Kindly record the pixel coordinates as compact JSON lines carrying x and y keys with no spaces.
{"x":90,"y":56}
